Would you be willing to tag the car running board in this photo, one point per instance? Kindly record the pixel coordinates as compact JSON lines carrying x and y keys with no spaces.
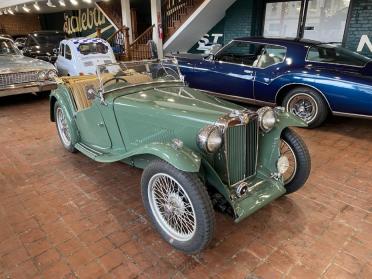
{"x":96,"y":155}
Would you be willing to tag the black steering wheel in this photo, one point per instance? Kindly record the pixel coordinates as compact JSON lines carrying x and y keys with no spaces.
{"x":115,"y":78}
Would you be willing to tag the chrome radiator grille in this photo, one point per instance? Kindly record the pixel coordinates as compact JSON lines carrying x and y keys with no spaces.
{"x":241,"y":144}
{"x":17,"y":78}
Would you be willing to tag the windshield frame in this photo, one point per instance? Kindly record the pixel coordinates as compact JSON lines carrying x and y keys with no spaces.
{"x":309,"y":47}
{"x":156,"y":83}
{"x":16,"y":52}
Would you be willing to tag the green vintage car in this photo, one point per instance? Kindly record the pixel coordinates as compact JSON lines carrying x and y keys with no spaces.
{"x":197,"y":151}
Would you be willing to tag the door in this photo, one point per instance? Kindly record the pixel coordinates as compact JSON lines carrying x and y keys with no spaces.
{"x":269,"y":66}
{"x":282,"y":19}
{"x":234,"y":69}
{"x":92,"y":128}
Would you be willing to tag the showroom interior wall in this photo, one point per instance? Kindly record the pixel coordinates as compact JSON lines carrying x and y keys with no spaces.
{"x":360,"y":27}
{"x":246,"y":17}
{"x":19,"y":24}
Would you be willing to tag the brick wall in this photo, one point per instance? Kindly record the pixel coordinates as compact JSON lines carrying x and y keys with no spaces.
{"x":19,"y":24}
{"x":360,"y":24}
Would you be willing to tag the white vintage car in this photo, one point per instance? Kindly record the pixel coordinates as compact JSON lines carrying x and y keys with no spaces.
{"x":20,"y":74}
{"x":80,"y":56}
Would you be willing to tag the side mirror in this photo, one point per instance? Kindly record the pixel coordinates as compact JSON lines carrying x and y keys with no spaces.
{"x":55,"y":51}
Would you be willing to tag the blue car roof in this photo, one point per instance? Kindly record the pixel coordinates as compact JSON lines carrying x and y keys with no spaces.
{"x":280,"y":41}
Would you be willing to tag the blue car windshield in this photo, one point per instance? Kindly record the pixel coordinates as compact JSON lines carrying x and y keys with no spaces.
{"x":8,"y":48}
{"x":328,"y":53}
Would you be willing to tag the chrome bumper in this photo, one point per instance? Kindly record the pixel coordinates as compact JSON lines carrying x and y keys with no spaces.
{"x":32,"y":87}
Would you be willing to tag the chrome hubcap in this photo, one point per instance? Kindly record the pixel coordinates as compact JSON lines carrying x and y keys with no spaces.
{"x":63,"y":127}
{"x":172,"y":207}
{"x":304,"y":106}
{"x":287,"y":151}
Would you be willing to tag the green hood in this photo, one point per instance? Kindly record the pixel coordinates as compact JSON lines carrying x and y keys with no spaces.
{"x":165,"y":113}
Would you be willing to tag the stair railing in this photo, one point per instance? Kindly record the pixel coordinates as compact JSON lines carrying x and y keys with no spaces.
{"x":140,"y":49}
{"x":173,"y":11}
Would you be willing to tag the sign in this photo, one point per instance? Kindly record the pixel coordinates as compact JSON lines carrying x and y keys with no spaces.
{"x":205,"y":44}
{"x":85,"y":22}
{"x":364,"y":42}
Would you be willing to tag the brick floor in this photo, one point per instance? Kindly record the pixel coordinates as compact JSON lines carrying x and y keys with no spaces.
{"x":65,"y":216}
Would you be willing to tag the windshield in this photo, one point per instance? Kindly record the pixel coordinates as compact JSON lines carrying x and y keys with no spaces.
{"x":92,"y":48}
{"x":328,"y":53}
{"x":138,"y":72}
{"x":7,"y":47}
{"x":45,"y":39}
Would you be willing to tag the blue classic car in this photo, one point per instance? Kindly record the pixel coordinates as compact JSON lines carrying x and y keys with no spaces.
{"x":309,"y":78}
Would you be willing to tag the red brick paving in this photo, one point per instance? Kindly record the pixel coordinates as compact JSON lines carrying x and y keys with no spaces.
{"x":64,"y":216}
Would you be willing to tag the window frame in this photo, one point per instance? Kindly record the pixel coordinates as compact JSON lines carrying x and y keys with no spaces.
{"x":258,"y":43}
{"x":332,"y":63}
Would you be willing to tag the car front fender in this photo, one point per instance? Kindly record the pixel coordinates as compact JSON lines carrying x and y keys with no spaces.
{"x":61,"y":95}
{"x":181,"y":158}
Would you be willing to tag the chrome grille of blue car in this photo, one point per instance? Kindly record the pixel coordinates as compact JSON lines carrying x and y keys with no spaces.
{"x":241,"y":143}
{"x":17,"y":78}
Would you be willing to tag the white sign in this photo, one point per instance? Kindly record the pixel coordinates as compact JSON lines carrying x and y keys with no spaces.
{"x":205,"y":44}
{"x":364,"y":41}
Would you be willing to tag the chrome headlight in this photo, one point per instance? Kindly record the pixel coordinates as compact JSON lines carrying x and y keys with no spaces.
{"x":41,"y":76}
{"x":52,"y":74}
{"x":266,"y":119}
{"x":209,"y":139}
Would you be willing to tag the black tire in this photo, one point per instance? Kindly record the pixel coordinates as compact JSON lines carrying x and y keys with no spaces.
{"x":69,"y":146}
{"x":303,"y":160}
{"x":311,"y":94}
{"x":200,"y":201}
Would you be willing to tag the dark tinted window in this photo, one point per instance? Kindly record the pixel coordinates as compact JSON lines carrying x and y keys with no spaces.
{"x":68,"y":52}
{"x":42,"y":39}
{"x":328,"y":53}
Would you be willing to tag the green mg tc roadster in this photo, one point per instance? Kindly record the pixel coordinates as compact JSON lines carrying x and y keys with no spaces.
{"x":197,"y":151}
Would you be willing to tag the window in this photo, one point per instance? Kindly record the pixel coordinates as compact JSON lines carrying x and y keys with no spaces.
{"x":68,"y":53}
{"x":8,"y":48}
{"x":239,"y":52}
{"x":92,"y":48}
{"x":62,"y":50}
{"x":328,"y":53}
{"x":271,"y":55}
{"x":326,"y":20}
{"x":282,"y":19}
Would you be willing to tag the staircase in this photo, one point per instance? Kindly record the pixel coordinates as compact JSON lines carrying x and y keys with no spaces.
{"x":186,"y":21}
{"x":111,"y":11}
{"x":175,"y":13}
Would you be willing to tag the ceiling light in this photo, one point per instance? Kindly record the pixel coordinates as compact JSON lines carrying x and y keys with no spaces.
{"x":5,"y":12}
{"x":16,"y":9}
{"x":25,"y":8}
{"x":87,"y":1}
{"x":36,"y":6}
{"x":50,"y":4}
{"x":62,"y":3}
{"x":74,"y":2}
{"x":10,"y":11}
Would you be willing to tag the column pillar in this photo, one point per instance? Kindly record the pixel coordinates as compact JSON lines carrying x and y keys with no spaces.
{"x":156,"y":20}
{"x":126,"y":17}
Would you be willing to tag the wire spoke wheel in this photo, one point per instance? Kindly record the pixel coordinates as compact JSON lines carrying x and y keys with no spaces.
{"x":287,"y":151}
{"x":62,"y":126}
{"x":304,"y":106}
{"x":172,"y":207}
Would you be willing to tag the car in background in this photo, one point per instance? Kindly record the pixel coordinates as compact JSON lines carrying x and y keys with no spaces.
{"x":20,"y":42}
{"x":309,"y":78}
{"x":43,"y":45}
{"x":142,"y":114}
{"x":20,"y":74}
{"x":81,"y":56}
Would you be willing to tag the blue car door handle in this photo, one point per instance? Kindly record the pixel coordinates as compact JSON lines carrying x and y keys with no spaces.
{"x":249,"y":72}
